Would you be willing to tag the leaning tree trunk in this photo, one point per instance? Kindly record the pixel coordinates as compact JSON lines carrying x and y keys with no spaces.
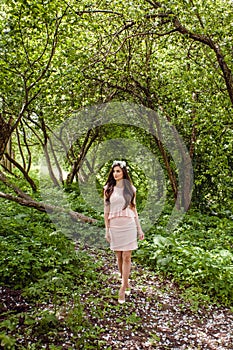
{"x":44,"y":207}
{"x":5,"y":134}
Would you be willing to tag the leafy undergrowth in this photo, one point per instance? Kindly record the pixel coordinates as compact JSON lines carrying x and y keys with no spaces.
{"x":154,"y":316}
{"x":198,"y":255}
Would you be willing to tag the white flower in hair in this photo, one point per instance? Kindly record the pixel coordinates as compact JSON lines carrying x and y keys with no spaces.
{"x":121,"y":163}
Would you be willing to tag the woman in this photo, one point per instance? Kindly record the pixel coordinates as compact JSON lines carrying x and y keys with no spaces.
{"x":121,"y":220}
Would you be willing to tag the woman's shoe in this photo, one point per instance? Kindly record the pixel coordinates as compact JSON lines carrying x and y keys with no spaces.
{"x":121,"y":298}
{"x":121,"y":301}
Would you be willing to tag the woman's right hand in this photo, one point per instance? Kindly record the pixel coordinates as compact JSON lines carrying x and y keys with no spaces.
{"x":107,"y":236}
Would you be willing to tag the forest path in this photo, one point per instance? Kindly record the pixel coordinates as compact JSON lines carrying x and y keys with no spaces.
{"x":154,"y":316}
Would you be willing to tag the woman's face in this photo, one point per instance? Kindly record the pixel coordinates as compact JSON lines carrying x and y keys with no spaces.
{"x":117,"y":173}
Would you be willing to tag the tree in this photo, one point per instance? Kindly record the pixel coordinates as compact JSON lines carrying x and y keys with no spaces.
{"x":168,"y":56}
{"x":174,"y":57}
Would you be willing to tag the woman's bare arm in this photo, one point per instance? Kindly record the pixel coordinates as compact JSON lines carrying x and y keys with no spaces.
{"x":139,"y":229}
{"x":106,"y":220}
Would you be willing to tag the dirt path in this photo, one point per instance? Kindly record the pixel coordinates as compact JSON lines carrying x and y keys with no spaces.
{"x":154,"y":315}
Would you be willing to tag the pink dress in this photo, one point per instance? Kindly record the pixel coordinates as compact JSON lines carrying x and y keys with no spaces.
{"x":122,"y":225}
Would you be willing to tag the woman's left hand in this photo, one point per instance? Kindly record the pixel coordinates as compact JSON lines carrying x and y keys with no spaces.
{"x":141,"y":235}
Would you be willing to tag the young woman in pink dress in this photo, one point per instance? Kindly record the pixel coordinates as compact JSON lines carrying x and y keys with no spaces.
{"x":121,"y":220}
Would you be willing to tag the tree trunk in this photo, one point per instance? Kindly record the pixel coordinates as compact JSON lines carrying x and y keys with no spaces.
{"x":23,"y":171}
{"x":29,"y":202}
{"x":5,"y":134}
{"x":89,"y":139}
{"x":5,"y":161}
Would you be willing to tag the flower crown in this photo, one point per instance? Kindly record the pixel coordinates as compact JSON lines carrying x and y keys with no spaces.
{"x":121,"y":163}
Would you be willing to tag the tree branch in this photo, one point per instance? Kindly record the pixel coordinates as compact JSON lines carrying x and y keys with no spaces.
{"x":47,"y":207}
{"x":220,"y":57}
{"x":23,"y":171}
{"x":20,"y":148}
{"x":17,"y":190}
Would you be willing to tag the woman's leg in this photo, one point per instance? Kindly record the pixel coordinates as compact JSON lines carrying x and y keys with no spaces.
{"x":119,"y":261}
{"x":126,"y":267}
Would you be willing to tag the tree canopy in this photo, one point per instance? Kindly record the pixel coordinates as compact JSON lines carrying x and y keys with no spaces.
{"x":173,"y":57}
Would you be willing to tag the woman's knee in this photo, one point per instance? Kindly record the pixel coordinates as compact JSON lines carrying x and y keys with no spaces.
{"x":126,"y":257}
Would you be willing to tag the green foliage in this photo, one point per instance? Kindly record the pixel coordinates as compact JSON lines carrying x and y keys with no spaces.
{"x":35,"y":256}
{"x":7,"y":342}
{"x":38,"y":328}
{"x":51,"y":274}
{"x":198,"y":254}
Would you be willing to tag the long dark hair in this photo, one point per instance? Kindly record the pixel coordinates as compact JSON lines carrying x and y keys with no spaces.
{"x":128,"y":191}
